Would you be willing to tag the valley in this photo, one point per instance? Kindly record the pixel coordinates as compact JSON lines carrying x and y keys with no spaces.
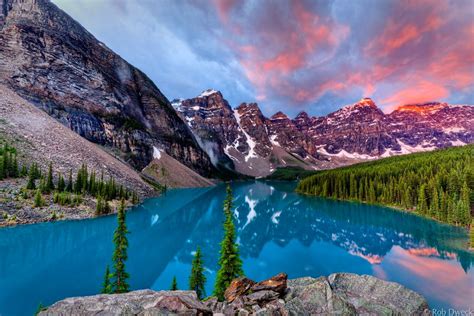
{"x":366,"y":208}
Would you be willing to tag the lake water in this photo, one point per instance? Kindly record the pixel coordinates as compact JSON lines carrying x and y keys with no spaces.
{"x":278,"y":230}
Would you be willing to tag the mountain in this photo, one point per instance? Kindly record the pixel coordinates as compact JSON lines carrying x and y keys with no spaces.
{"x":40,"y":138}
{"x":53,"y":62}
{"x":246,"y":141}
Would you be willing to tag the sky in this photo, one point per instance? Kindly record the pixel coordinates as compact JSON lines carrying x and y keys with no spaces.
{"x":313,"y":56}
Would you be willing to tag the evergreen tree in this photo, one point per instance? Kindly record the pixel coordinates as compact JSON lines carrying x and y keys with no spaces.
{"x":106,"y":286}
{"x":174,"y":284}
{"x":69,"y":183}
{"x":14,"y":168}
{"x":434,"y":204}
{"x":197,"y":280}
{"x":120,"y":276}
{"x":471,"y":233}
{"x":38,"y":199}
{"x":422,"y":204}
{"x":229,"y":262}
{"x":465,"y":207}
{"x":61,"y":183}
{"x":49,"y":184}
{"x":24,"y":171}
{"x":3,"y":174}
{"x":31,"y":180}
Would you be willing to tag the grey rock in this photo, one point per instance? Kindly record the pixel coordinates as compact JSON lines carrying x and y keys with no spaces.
{"x":371,"y":295}
{"x":56,"y":64}
{"x":338,"y":294}
{"x":143,"y":302}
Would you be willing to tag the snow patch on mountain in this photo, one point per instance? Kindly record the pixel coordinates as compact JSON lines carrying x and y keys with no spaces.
{"x":250,"y":142}
{"x":156,"y":153}
{"x":207,"y":93}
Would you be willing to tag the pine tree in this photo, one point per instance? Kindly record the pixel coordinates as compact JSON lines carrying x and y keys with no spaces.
{"x":471,"y":233}
{"x":14,"y":168}
{"x":422,"y":205}
{"x":24,"y":171}
{"x":38,"y":199}
{"x":197,"y":280}
{"x":3,"y":172}
{"x":49,"y":185}
{"x":229,"y":262}
{"x":174,"y":284}
{"x":61,"y":183}
{"x":434,"y":204}
{"x":106,"y":286}
{"x":465,"y":207}
{"x":119,"y":257}
{"x":31,"y":180}
{"x":69,"y":183}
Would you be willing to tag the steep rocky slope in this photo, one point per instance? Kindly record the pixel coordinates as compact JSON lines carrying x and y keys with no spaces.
{"x":171,"y":173}
{"x":39,"y":138}
{"x":51,"y":60}
{"x":257,"y":145}
{"x":338,"y":294}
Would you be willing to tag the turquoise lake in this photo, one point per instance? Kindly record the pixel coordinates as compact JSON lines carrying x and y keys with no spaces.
{"x":278,"y":231}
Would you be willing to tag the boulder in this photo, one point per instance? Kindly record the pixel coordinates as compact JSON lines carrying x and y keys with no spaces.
{"x":238,"y":287}
{"x":143,"y":302}
{"x":370,"y":295}
{"x":276,"y":284}
{"x":338,"y":294}
{"x":311,"y":296}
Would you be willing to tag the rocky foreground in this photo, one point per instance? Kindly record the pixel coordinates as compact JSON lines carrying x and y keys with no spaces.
{"x":338,"y":294}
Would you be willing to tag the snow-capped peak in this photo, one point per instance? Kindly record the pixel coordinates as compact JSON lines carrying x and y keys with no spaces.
{"x":366,"y":102}
{"x":425,"y":108}
{"x":207,"y":93}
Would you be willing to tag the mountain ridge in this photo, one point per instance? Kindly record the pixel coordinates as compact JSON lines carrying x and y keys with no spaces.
{"x":51,"y":60}
{"x":356,"y":132}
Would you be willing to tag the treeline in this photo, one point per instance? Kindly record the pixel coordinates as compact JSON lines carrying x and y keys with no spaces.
{"x":67,"y":190}
{"x":437,"y":184}
{"x":9,"y":164}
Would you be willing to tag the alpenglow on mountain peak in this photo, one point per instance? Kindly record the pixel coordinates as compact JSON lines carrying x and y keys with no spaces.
{"x":244,"y":140}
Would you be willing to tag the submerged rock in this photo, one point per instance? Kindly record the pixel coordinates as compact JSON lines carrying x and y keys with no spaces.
{"x":338,"y":294}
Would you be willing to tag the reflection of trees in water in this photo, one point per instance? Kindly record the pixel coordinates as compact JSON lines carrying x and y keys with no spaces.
{"x":364,"y":230}
{"x":173,"y":226}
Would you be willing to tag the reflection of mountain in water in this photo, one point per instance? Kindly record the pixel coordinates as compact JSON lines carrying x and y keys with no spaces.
{"x":69,"y":258}
{"x":264,"y":213}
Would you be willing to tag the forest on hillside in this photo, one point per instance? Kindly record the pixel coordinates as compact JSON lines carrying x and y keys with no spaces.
{"x":438,"y":184}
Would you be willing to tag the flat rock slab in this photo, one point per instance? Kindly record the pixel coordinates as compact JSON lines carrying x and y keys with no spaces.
{"x":143,"y":302}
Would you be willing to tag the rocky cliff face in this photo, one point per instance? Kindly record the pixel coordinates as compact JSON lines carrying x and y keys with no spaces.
{"x":338,"y":294}
{"x":51,"y":60}
{"x":257,"y":145}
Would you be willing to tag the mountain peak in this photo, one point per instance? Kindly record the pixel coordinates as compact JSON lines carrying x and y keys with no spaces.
{"x":365,"y":102}
{"x":302,"y":116}
{"x":207,"y":93}
{"x":279,"y":116}
{"x":422,"y":108}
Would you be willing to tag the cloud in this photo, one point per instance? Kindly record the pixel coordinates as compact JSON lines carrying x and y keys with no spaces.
{"x":294,"y":55}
